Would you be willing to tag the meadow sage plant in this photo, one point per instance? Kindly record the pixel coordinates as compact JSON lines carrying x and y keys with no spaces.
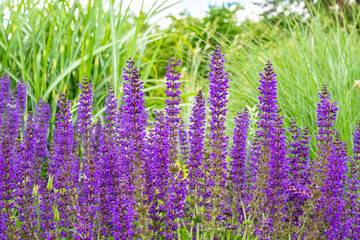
{"x":122,"y":178}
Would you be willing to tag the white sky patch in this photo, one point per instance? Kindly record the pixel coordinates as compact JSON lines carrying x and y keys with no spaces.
{"x":196,"y":8}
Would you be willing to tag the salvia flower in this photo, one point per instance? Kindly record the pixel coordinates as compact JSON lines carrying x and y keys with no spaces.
{"x":123,"y":214}
{"x":87,"y":198}
{"x":265,"y":149}
{"x":334,"y":191}
{"x":264,"y":229}
{"x":65,"y":167}
{"x":41,"y":121}
{"x":134,"y":117}
{"x":123,"y":179}
{"x":217,"y":100}
{"x":238,"y":154}
{"x":183,"y":142}
{"x":172,"y":110}
{"x":197,"y":130}
{"x":24,"y":190}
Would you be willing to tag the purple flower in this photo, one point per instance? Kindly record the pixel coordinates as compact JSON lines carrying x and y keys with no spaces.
{"x":134,"y":119}
{"x":352,"y":191}
{"x":161,"y":153}
{"x":108,"y":165}
{"x":334,"y":191}
{"x":46,"y":215}
{"x":320,"y":170}
{"x":88,"y":196}
{"x":42,"y":118}
{"x":269,"y":142}
{"x":21,"y":98}
{"x":23,"y":192}
{"x":218,"y":99}
{"x":238,"y":154}
{"x":160,"y":158}
{"x":12,"y":120}
{"x":278,"y":166}
{"x":5,"y":92}
{"x":264,"y":229}
{"x":196,"y":134}
{"x":268,"y":108}
{"x":174,"y":205}
{"x":8,"y":157}
{"x":85,"y":114}
{"x":172,"y":110}
{"x":298,"y":152}
{"x":65,"y":167}
{"x":7,"y":185}
{"x":122,"y":211}
{"x":183,"y":142}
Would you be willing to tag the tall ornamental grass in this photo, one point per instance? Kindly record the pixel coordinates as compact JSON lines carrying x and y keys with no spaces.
{"x":126,"y":179}
{"x":52,"y":44}
{"x":324,"y":48}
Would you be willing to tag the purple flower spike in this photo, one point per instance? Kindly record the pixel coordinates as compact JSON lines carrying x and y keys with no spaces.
{"x":196,"y":134}
{"x":161,"y":151}
{"x":47,"y":200}
{"x":7,"y":186}
{"x":268,"y":108}
{"x":24,"y":190}
{"x":320,"y":170}
{"x":183,"y":141}
{"x":108,"y":167}
{"x":352,"y":191}
{"x":238,"y":154}
{"x":65,"y":166}
{"x":172,"y":110}
{"x":218,"y":99}
{"x":12,"y":121}
{"x":298,"y":153}
{"x":85,"y":112}
{"x":278,"y":166}
{"x":42,"y":118}
{"x":21,"y":98}
{"x":174,"y":205}
{"x":135,"y":119}
{"x":122,"y":211}
{"x":265,"y":229}
{"x":85,"y":130}
{"x":160,"y":158}
{"x":88,"y":197}
{"x":334,"y":191}
{"x":5,"y":92}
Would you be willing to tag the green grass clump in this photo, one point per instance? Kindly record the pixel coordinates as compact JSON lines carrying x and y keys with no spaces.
{"x":53,"y":45}
{"x":306,"y":54}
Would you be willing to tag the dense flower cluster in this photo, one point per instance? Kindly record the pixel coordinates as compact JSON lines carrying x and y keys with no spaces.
{"x":126,"y":179}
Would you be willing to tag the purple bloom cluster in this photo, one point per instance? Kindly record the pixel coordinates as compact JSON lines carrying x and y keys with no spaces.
{"x":122,"y":178}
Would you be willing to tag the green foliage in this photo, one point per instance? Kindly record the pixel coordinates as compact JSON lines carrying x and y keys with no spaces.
{"x":191,"y":40}
{"x":306,"y":54}
{"x":54,"y":45}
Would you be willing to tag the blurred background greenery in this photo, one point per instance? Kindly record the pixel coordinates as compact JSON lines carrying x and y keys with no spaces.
{"x":53,"y":44}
